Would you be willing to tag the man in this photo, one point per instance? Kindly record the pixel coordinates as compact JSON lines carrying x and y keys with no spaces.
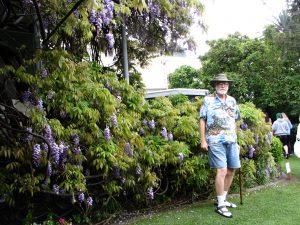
{"x":218,"y":116}
{"x":281,"y":129}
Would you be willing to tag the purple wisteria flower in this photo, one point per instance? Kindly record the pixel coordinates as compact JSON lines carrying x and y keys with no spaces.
{"x":48,"y":134}
{"x":150,"y":193}
{"x":107,"y":134}
{"x":36,"y":154}
{"x":28,"y":137}
{"x":268,"y":138}
{"x":45,"y":148}
{"x":251,"y":151}
{"x":27,"y":2}
{"x":44,"y":73}
{"x":81,"y":197}
{"x":114,"y":120}
{"x":56,"y":189}
{"x":49,"y":169}
{"x":108,"y":86}
{"x":77,"y":150}
{"x":244,"y":126}
{"x":27,"y":97}
{"x":154,"y":9}
{"x":87,"y":172}
{"x":145,"y":122}
{"x":49,"y":95}
{"x":117,"y":171}
{"x":89,"y":201}
{"x":98,"y":23}
{"x":141,"y":131}
{"x":119,"y":98}
{"x":93,"y":16}
{"x":164,"y":133}
{"x":151,"y":124}
{"x":63,"y":154}
{"x":138,"y":170}
{"x":55,"y":153}
{"x":39,"y":104}
{"x":75,"y":139}
{"x":76,"y":14}
{"x":128,"y":150}
{"x":110,"y":39}
{"x":180,"y":156}
{"x":62,"y":114}
{"x":107,"y":15}
{"x":170,"y":136}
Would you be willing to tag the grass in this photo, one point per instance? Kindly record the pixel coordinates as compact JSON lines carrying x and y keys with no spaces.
{"x":273,"y":204}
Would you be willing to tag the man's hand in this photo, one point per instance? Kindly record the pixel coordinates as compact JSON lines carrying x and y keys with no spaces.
{"x":238,"y":148}
{"x":204,"y":145}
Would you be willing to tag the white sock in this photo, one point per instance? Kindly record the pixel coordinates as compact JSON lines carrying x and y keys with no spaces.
{"x":225,"y":195}
{"x":221,"y":200}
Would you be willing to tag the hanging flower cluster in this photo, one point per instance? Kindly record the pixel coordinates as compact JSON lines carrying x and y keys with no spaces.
{"x":107,"y":135}
{"x":128,"y":150}
{"x":114,"y":120}
{"x":164,"y":133}
{"x":103,"y":18}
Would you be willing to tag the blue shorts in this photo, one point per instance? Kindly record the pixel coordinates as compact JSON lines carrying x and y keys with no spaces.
{"x":224,"y":155}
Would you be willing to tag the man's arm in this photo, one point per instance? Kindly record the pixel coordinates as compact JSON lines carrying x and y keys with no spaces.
{"x":202,"y":125}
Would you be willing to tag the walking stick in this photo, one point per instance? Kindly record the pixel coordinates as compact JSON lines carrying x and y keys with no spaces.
{"x":241,"y":184}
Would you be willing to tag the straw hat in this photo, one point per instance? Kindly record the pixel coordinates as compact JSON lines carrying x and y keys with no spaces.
{"x":222,"y":77}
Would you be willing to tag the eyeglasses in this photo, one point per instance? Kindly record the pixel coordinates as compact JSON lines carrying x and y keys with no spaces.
{"x":222,"y":83}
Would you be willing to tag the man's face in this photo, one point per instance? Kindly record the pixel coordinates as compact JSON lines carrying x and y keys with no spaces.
{"x":222,"y":88}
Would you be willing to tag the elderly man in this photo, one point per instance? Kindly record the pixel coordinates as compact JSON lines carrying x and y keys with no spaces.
{"x":218,"y":116}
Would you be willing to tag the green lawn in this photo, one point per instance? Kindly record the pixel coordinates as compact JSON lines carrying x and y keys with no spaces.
{"x":277,"y":203}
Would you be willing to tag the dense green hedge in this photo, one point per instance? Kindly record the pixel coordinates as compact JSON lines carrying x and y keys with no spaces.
{"x":105,"y":147}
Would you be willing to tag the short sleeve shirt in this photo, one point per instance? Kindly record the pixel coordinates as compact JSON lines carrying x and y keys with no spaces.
{"x":220,"y":116}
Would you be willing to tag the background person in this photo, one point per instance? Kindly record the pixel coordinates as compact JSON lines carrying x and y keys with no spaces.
{"x":218,"y":116}
{"x":285,"y":117}
{"x":281,"y":129}
{"x":268,"y":119}
{"x":298,"y":131}
{"x":297,"y":142}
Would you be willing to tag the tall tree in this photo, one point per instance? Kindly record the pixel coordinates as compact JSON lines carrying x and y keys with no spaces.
{"x":286,"y":36}
{"x":151,"y":26}
{"x":255,"y":65}
{"x":185,"y":77}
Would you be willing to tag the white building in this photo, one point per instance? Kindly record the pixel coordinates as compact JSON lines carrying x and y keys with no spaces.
{"x":155,"y":75}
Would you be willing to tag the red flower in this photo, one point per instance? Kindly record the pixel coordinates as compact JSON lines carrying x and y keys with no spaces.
{"x":61,"y":221}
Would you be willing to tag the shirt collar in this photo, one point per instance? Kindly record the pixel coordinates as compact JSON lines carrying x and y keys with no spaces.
{"x":217,"y":97}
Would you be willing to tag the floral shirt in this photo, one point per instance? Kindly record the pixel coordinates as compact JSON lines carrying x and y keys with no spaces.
{"x":220,"y":116}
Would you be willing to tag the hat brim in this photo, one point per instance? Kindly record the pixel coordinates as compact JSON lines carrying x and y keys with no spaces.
{"x":213,"y":82}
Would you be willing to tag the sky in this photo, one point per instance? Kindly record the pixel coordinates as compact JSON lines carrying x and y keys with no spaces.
{"x":223,"y":17}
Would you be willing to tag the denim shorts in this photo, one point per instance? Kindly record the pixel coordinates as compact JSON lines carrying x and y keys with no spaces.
{"x":224,"y":155}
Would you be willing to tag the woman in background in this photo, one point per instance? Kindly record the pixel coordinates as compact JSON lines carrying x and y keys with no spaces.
{"x":285,"y":117}
{"x":281,"y":129}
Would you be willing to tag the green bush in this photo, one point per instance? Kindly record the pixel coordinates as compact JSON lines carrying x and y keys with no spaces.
{"x":97,"y":138}
{"x":277,"y":150}
{"x":255,"y":140}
